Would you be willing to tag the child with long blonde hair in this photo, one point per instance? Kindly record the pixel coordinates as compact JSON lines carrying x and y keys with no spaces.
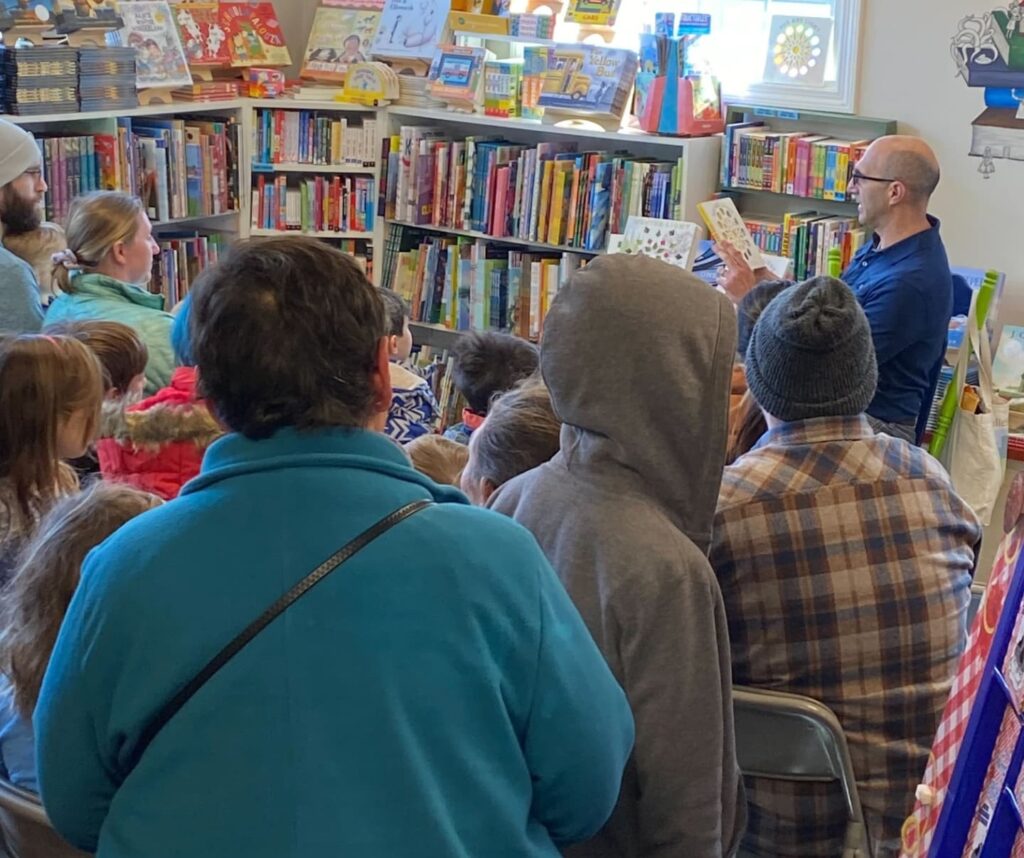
{"x":34,"y":604}
{"x":51,"y":391}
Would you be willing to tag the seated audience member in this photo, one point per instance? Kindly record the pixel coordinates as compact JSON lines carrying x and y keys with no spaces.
{"x":746,"y":422}
{"x":51,"y":391}
{"x":485,"y":364}
{"x":440,"y":459}
{"x":845,"y":560}
{"x":413,"y":406}
{"x":624,"y":513}
{"x":123,"y":356}
{"x":157,"y":445}
{"x":103,"y":275}
{"x":37,"y":247}
{"x":520,"y":433}
{"x":22,"y":187}
{"x":356,"y":723}
{"x":34,"y":605}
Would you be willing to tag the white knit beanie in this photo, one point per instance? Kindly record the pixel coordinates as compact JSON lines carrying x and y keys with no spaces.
{"x":18,"y":152}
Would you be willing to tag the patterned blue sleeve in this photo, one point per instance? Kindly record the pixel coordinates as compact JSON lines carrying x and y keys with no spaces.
{"x":413,"y":413}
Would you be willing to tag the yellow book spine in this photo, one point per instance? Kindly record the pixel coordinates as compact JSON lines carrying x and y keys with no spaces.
{"x":557,"y":205}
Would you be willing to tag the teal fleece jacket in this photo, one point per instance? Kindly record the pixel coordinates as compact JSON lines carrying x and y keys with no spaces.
{"x":438,"y":695}
{"x":21,"y":311}
{"x":101,"y":298}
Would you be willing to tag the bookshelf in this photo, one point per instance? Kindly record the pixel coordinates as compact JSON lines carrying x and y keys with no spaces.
{"x":788,"y":172}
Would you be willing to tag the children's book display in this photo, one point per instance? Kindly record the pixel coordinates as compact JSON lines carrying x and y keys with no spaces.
{"x":74,"y":16}
{"x":726,"y":224}
{"x":970,"y":799}
{"x":671,"y":241}
{"x":149,"y":29}
{"x":456,"y":74}
{"x":411,"y":29}
{"x":39,"y":80}
{"x":600,"y":12}
{"x":107,"y":79}
{"x":254,"y":35}
{"x":372,"y":84}
{"x":583,"y":78}
{"x":203,"y":36}
{"x":310,"y":137}
{"x":672,"y":97}
{"x":805,"y":238}
{"x":340,"y":37}
{"x":503,"y":80}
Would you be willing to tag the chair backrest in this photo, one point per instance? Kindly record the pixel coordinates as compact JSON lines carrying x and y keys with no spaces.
{"x":790,"y":737}
{"x":27,"y":831}
{"x":977,"y":593}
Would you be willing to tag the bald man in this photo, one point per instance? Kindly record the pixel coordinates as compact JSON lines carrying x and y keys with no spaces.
{"x":901,"y":278}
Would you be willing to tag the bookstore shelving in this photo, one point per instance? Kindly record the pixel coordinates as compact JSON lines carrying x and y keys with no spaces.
{"x":789,"y":173}
{"x":485,"y":232}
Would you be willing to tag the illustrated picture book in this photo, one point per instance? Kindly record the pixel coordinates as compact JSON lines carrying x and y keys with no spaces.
{"x":149,"y":28}
{"x":339,"y":37}
{"x":671,"y":241}
{"x":590,"y":78}
{"x":411,"y":29}
{"x":726,"y":224}
{"x":254,"y":35}
{"x":202,"y":36}
{"x":27,"y":13}
{"x":455,"y":73}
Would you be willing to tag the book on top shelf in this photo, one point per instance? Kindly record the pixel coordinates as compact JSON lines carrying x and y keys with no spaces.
{"x":254,"y":35}
{"x":586,"y":78}
{"x":75,"y":15}
{"x":600,"y":12}
{"x":455,"y":74}
{"x":149,"y":28}
{"x":203,"y":37}
{"x":27,"y":13}
{"x":411,"y":29}
{"x":339,"y":38}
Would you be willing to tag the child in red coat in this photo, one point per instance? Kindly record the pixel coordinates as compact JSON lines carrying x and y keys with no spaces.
{"x":158,"y":444}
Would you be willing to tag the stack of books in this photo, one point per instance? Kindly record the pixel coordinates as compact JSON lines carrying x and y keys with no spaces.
{"x":106,"y":79}
{"x":218,"y":90}
{"x":550,"y":194}
{"x":798,"y":163}
{"x":40,"y":80}
{"x":415,"y":92}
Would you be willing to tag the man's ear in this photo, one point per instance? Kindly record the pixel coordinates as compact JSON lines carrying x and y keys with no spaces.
{"x":382,"y":377}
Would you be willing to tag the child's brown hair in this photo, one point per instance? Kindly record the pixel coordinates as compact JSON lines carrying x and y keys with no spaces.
{"x":120,"y":349}
{"x":43,"y":381}
{"x":440,"y":459}
{"x":38,"y":595}
{"x":37,"y":248}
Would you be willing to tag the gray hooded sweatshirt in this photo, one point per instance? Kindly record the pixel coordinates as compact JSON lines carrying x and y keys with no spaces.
{"x":638,"y":357}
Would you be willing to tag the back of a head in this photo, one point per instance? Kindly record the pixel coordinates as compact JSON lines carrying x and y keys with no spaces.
{"x":285,"y":333}
{"x":396,"y":310}
{"x":48,"y":573}
{"x":96,"y":222}
{"x":181,"y":333}
{"x":751,"y":308}
{"x":121,"y":351}
{"x":811,"y":354}
{"x":43,"y":380}
{"x":520,"y":433}
{"x":488,"y":363}
{"x":439,"y":458}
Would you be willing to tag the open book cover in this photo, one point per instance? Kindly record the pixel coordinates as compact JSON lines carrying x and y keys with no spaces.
{"x":203,"y":37}
{"x":339,"y":38}
{"x":149,"y":28}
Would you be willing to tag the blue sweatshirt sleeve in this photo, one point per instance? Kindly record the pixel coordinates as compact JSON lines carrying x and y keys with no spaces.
{"x":579,"y":731}
{"x":21,"y":310}
{"x":78,"y":775}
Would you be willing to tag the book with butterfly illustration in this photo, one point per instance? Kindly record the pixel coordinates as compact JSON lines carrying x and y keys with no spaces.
{"x":671,"y":241}
{"x":726,"y":224}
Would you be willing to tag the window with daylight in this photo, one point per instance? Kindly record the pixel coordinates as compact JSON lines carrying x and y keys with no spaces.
{"x":818,"y":59}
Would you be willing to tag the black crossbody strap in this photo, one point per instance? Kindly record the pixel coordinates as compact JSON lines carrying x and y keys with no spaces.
{"x":170,"y":709}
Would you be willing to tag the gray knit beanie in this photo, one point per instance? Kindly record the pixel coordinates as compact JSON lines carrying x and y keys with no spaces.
{"x":811,"y":354}
{"x":18,"y":152}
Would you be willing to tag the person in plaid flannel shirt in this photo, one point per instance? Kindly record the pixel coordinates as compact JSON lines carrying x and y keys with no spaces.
{"x":845,"y":560}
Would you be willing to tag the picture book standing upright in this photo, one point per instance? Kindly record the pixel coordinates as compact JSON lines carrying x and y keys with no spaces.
{"x":411,"y":29}
{"x":339,"y":38}
{"x":149,"y":28}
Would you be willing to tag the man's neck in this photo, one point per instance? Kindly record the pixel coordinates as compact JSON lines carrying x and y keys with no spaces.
{"x":901,"y":227}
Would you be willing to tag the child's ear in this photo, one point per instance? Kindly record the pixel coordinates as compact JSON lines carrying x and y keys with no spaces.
{"x":392,"y":344}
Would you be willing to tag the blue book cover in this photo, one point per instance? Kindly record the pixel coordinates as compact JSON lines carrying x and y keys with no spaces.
{"x":1004,"y":97}
{"x":600,"y":205}
{"x":995,"y":73}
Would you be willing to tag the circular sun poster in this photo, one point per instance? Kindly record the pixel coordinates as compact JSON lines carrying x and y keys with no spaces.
{"x":797,"y":50}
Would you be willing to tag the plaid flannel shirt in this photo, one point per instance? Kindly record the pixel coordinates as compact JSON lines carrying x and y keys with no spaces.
{"x":845,"y":560}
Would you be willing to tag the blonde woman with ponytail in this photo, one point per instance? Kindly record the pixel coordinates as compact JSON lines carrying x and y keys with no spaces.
{"x":104,"y":272}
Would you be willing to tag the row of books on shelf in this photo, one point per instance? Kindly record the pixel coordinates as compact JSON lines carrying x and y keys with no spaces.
{"x":549,"y":193}
{"x":314,"y":204}
{"x":309,"y":137}
{"x":806,"y":238}
{"x":467,"y":284}
{"x":799,"y":163}
{"x":437,"y":366}
{"x":182,"y":258}
{"x":180,"y":168}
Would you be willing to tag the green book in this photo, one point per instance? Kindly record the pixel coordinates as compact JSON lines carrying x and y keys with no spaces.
{"x":1009,"y":40}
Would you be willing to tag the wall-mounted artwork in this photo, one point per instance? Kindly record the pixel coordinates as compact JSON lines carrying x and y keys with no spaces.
{"x":988,"y":49}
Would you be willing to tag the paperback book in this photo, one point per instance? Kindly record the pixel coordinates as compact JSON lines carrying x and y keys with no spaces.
{"x":203,"y":37}
{"x":455,"y":74}
{"x":339,"y":38}
{"x":411,"y":29}
{"x":254,"y":35}
{"x":150,"y":30}
{"x":588,"y":78}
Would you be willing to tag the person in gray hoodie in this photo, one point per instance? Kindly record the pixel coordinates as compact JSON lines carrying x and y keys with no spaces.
{"x":638,"y":356}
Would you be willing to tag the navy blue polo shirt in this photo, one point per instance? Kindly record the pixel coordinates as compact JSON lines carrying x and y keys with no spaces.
{"x":906,"y":291}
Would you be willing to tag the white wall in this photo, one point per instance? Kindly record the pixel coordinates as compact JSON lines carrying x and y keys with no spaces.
{"x":908,"y":74}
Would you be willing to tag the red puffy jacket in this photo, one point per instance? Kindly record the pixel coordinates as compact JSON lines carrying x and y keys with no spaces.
{"x":158,"y":444}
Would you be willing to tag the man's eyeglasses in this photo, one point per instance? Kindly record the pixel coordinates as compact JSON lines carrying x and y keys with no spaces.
{"x":858,"y":176}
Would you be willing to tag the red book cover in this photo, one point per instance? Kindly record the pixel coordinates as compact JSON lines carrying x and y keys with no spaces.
{"x":202,"y":35}
{"x":254,"y":35}
{"x":497,"y":226}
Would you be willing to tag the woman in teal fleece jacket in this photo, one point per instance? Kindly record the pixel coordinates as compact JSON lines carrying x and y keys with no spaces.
{"x":438,"y":695}
{"x":106,"y":266}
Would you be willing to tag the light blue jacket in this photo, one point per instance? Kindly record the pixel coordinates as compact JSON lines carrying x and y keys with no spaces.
{"x":437,"y":696}
{"x":21,"y":310}
{"x":17,"y":743}
{"x":101,"y":298}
